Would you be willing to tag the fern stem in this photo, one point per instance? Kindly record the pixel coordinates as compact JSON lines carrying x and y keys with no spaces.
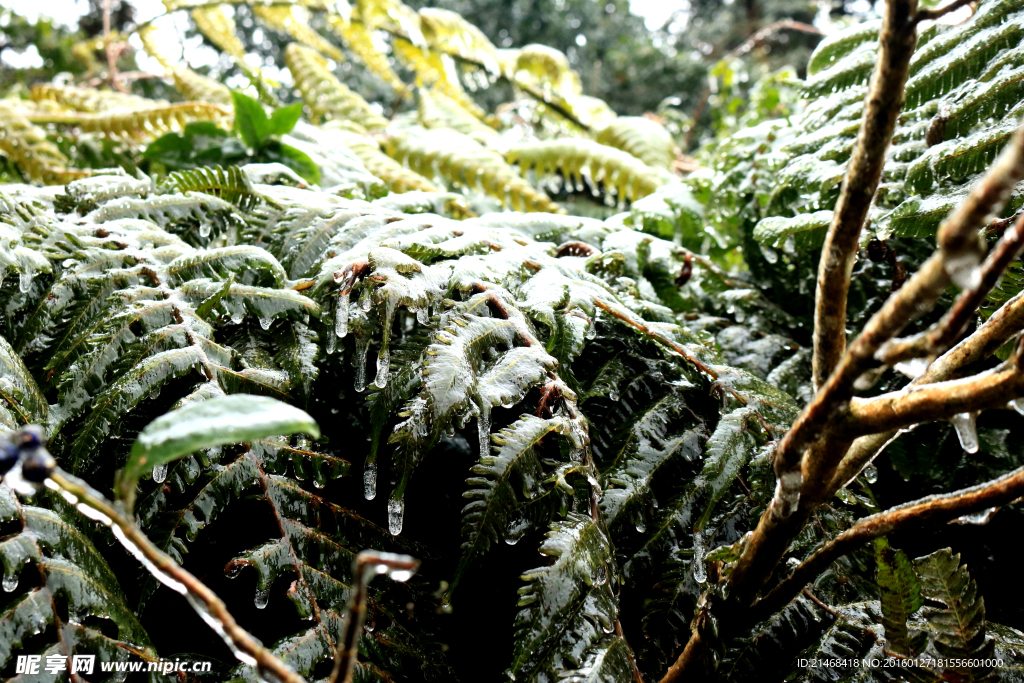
{"x":943,"y":508}
{"x":204,"y":601}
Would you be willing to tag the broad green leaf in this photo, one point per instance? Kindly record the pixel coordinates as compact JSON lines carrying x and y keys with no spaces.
{"x":250,"y":120}
{"x":214,"y":422}
{"x":284,"y":119}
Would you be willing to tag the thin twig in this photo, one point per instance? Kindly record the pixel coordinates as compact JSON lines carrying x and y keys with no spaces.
{"x":170,"y":573}
{"x":108,"y":45}
{"x":944,"y":508}
{"x":925,"y":14}
{"x":939,"y":337}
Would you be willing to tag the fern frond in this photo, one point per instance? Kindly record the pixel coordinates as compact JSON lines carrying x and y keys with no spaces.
{"x":901,"y":596}
{"x":397,"y":177}
{"x":326,"y":97}
{"x":960,"y":627}
{"x":143,"y":124}
{"x":241,"y":260}
{"x":463,"y":162}
{"x":217,"y":26}
{"x":391,"y":15}
{"x":230,"y":184}
{"x":447,"y":32}
{"x":568,"y":607}
{"x":27,"y":146}
{"x":198,"y":88}
{"x":437,"y":110}
{"x":22,"y":399}
{"x":147,"y":34}
{"x":360,"y":42}
{"x":621,"y":174}
{"x":90,"y":100}
{"x":435,"y":70}
{"x":642,"y":137}
{"x":71,"y":602}
{"x":541,"y":66}
{"x":294,"y":21}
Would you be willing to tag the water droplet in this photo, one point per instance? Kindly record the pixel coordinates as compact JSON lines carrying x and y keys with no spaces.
{"x":966,"y":431}
{"x":515,"y":530}
{"x":10,"y":583}
{"x":233,"y":571}
{"x":400,"y":575}
{"x":769,"y":254}
{"x":1018,"y":405}
{"x":396,"y":514}
{"x":262,"y":598}
{"x":341,"y":316}
{"x":204,"y":229}
{"x":160,"y":473}
{"x":370,"y":480}
{"x":871,"y":473}
{"x":700,"y":574}
{"x":265,"y":322}
{"x":978,"y":518}
{"x":383,"y":369}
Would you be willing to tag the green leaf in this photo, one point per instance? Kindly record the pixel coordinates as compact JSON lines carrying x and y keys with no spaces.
{"x":214,"y":422}
{"x":284,"y":119}
{"x":250,"y":120}
{"x":294,"y":159}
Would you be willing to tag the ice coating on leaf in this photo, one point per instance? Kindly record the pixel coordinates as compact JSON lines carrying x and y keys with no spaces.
{"x":966,"y":430}
{"x":978,"y":518}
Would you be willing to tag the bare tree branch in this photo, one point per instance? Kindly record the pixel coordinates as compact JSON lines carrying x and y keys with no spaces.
{"x":944,"y":508}
{"x":883,"y":105}
{"x":937,"y":13}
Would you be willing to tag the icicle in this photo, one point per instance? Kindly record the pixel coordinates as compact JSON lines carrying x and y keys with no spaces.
{"x":237,"y":315}
{"x":332,"y":342}
{"x":966,"y":431}
{"x":160,"y":473}
{"x":483,"y":427}
{"x":24,"y":281}
{"x":423,"y":315}
{"x":396,"y":513}
{"x":700,"y":573}
{"x":370,"y":480}
{"x":769,"y":254}
{"x":262,"y":598}
{"x":362,"y":344}
{"x":367,"y":300}
{"x":978,"y":518}
{"x":912,"y":368}
{"x":204,"y":229}
{"x":383,"y":368}
{"x":10,"y":582}
{"x":341,"y":316}
{"x":1018,"y":405}
{"x":265,"y":322}
{"x":640,"y":523}
{"x":233,"y":571}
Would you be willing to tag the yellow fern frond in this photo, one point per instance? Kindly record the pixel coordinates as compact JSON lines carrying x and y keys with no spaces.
{"x":437,"y":110}
{"x":175,"y":5}
{"x":326,"y":96}
{"x":295,"y":22}
{"x":199,"y":88}
{"x":437,"y":71}
{"x":147,"y":34}
{"x":543,"y":67}
{"x":446,"y":31}
{"x":90,"y":100}
{"x":360,"y":42}
{"x":144,"y":124}
{"x":642,"y":137}
{"x":465,"y":163}
{"x":219,"y":28}
{"x":393,"y":16}
{"x":26,"y":145}
{"x":85,"y":52}
{"x":398,"y":178}
{"x":578,"y":161}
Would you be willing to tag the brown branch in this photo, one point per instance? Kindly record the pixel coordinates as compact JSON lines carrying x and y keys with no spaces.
{"x":203,"y":600}
{"x":896,"y":45}
{"x":929,"y":402}
{"x":763,"y":34}
{"x":943,"y":333}
{"x":1000,"y":327}
{"x":944,"y":508}
{"x":367,"y":564}
{"x":939,"y":12}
